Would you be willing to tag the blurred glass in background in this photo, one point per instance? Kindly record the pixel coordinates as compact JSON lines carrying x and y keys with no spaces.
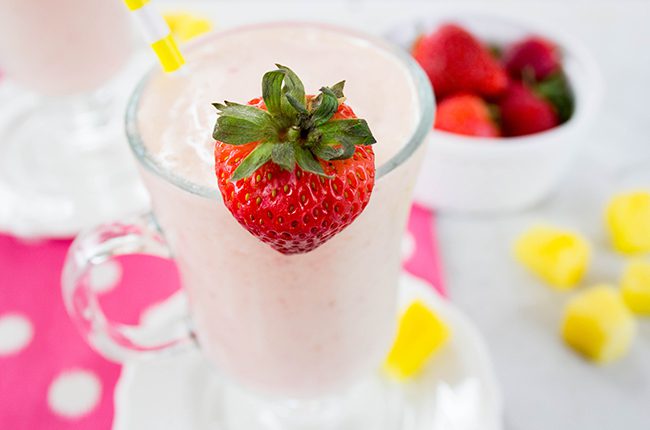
{"x":63,"y":164}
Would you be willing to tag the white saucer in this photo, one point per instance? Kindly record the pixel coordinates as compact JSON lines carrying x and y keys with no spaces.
{"x":458,"y":391}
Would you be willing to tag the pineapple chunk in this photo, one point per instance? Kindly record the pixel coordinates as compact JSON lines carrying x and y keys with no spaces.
{"x":186,"y":26}
{"x":628,"y":220}
{"x":598,"y":325}
{"x":421,"y":333}
{"x":635,"y":287}
{"x":559,"y":257}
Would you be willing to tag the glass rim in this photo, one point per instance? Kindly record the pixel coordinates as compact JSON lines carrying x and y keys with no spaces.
{"x":420,"y":80}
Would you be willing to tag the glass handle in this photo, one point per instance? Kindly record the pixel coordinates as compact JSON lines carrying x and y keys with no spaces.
{"x":116,"y":341}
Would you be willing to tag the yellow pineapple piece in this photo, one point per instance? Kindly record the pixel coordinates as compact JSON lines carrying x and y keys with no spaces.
{"x":635,"y":287}
{"x":421,"y":333}
{"x":186,"y":26}
{"x":559,"y":257}
{"x":628,"y":220}
{"x":598,"y":325}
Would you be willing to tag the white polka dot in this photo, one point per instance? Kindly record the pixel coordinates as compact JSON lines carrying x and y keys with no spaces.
{"x":104,"y":277}
{"x":74,"y":393}
{"x":408,"y":246}
{"x":32,"y":241}
{"x":15,"y":333}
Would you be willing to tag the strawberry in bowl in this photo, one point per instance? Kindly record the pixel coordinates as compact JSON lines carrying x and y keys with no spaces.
{"x":513,"y":102}
{"x":466,"y":114}
{"x":293,"y":169}
{"x":457,"y":62}
{"x":535,"y":54}
{"x":521,"y":84}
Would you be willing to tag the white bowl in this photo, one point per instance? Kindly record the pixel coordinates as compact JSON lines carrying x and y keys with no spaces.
{"x":481,"y":175}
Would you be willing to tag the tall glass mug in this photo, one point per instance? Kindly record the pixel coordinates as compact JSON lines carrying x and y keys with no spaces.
{"x":63,"y":164}
{"x":296,"y":329}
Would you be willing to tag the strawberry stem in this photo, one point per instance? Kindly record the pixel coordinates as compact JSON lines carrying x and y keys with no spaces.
{"x":294,"y":129}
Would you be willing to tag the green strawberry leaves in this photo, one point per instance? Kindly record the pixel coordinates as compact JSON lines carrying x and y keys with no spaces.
{"x":287,"y":154}
{"x":272,"y":91}
{"x":299,"y":106}
{"x":256,"y":159}
{"x":292,"y":84}
{"x":328,"y":152}
{"x":337,"y":89}
{"x":240,"y":124}
{"x":307,"y":162}
{"x":284,"y":155}
{"x":344,"y":134}
{"x":327,"y":107}
{"x":556,"y":90}
{"x":294,"y":129}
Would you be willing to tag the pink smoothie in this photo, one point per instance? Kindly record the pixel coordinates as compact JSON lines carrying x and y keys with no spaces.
{"x":297,"y":325}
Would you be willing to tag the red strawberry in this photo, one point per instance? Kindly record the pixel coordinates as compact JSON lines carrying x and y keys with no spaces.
{"x":523,"y":112}
{"x":294,"y":170}
{"x":456,"y":62}
{"x":540,"y":56}
{"x":466,"y":114}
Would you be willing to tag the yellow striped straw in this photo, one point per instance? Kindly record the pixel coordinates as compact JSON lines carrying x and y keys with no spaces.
{"x":157,"y":33}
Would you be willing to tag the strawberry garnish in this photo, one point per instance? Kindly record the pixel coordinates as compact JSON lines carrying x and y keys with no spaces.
{"x":524,"y":112}
{"x":293,"y":169}
{"x":534,"y":56}
{"x":466,"y":114}
{"x":456,"y":62}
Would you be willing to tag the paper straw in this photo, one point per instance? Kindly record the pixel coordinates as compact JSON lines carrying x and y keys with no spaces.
{"x":157,"y":33}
